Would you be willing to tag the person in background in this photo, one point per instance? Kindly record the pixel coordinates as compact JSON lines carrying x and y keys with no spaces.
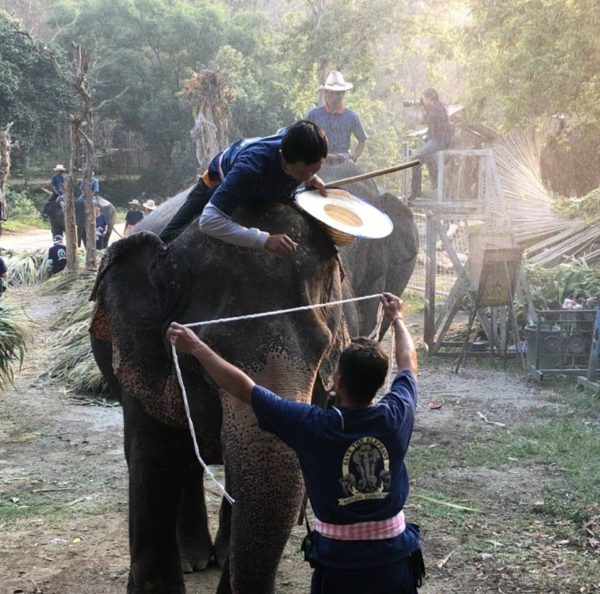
{"x":101,"y":228}
{"x":253,"y":172}
{"x":133,"y":217}
{"x":149,"y":206}
{"x":3,"y":275}
{"x":351,"y":456}
{"x":57,"y":256}
{"x":95,"y":186}
{"x":57,"y":182}
{"x":434,"y":114}
{"x":338,"y":122}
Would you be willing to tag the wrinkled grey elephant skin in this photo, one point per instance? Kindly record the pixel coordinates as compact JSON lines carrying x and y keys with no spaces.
{"x":141,"y":287}
{"x":54,"y":210}
{"x":375,"y":266}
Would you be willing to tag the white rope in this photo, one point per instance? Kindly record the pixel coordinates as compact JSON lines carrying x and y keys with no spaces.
{"x":278,"y":312}
{"x":235,"y":319}
{"x":193,"y":431}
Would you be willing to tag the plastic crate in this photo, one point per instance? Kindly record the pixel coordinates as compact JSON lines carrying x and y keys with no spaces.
{"x":560,"y":342}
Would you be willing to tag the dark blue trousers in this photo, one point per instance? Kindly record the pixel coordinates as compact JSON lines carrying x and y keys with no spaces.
{"x":396,"y":578}
{"x":193,"y":206}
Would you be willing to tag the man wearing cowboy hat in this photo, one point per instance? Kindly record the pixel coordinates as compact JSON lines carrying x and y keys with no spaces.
{"x":149,"y":206}
{"x":338,"y":122}
{"x":253,"y":172}
{"x":133,"y":217}
{"x":57,"y":182}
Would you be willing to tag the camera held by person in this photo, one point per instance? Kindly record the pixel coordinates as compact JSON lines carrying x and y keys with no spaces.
{"x":413,"y":103}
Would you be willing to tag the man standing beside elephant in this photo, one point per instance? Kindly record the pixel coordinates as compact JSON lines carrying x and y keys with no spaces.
{"x":253,"y":172}
{"x":352,"y":459}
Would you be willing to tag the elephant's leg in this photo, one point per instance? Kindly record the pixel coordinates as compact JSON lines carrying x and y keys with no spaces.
{"x":193,"y":535}
{"x":266,"y":482}
{"x":221,"y":547}
{"x":154,"y":455}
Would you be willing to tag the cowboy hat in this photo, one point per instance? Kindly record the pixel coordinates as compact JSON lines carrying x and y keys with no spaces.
{"x":345,"y":216}
{"x":335,"y":82}
{"x":134,"y":202}
{"x":60,"y":167}
{"x":149,"y":204}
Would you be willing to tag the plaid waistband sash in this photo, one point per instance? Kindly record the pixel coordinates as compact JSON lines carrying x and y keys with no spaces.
{"x":377,"y":530}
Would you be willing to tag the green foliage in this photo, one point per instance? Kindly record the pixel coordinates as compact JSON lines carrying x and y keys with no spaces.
{"x":13,"y":341}
{"x":530,"y":59}
{"x":31,"y":93}
{"x":586,"y":206}
{"x":549,"y":287}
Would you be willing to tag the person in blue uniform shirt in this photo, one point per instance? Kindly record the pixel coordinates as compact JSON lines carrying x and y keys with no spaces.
{"x":352,"y":458}
{"x":339,"y":123}
{"x":57,"y":182}
{"x":253,"y":171}
{"x":101,"y":228}
{"x":57,"y":256}
{"x":3,"y":275}
{"x":95,"y":184}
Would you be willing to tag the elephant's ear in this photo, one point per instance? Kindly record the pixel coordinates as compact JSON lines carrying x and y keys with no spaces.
{"x":128,"y":312}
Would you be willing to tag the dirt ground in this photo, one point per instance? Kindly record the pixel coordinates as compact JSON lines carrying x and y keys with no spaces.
{"x":63,"y":488}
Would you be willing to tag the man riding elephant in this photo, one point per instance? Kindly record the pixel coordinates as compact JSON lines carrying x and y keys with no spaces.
{"x":256,"y":172}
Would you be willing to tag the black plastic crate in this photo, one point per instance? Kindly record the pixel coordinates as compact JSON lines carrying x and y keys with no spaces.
{"x":560,"y":342}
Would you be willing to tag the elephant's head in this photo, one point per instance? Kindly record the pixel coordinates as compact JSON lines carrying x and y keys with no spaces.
{"x":143,"y":286}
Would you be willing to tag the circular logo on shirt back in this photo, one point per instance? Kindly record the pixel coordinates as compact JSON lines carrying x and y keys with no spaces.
{"x":365,"y":471}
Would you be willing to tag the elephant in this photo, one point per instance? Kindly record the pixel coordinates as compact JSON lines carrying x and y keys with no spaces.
{"x":54,"y":211}
{"x":369,"y":266}
{"x":142,"y":286}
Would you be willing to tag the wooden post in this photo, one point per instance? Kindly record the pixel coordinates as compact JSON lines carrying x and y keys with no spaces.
{"x":430,"y":269}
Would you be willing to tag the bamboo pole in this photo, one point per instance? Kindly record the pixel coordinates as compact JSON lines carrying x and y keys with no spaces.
{"x":371,"y":174}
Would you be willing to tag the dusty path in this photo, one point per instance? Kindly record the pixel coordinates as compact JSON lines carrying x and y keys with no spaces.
{"x":39,"y":239}
{"x":63,"y":490}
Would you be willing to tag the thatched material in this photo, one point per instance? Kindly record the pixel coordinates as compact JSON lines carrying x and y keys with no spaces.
{"x":549,"y":238}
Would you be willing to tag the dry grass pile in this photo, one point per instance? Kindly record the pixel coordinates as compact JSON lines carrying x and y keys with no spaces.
{"x":14,"y":335}
{"x":74,"y":363}
{"x":26,"y":268}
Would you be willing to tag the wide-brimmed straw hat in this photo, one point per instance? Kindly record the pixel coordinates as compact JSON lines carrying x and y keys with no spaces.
{"x":149,"y":204}
{"x":60,"y":167}
{"x":345,"y":216}
{"x":134,"y":202}
{"x":335,"y":82}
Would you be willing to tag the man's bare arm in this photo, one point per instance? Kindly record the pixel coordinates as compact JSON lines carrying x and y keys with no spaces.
{"x":227,"y":376}
{"x":406,"y":355}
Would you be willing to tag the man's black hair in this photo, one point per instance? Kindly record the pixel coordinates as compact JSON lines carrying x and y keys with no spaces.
{"x":363,"y":366}
{"x":431,"y":94}
{"x":304,"y":141}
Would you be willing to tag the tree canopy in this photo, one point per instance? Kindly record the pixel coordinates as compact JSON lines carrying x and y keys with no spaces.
{"x":511,"y":62}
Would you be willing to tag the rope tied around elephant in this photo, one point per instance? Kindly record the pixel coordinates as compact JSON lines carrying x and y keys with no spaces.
{"x":254,"y":316}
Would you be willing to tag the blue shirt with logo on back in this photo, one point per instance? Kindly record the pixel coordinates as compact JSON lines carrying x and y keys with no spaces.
{"x":353,"y":466}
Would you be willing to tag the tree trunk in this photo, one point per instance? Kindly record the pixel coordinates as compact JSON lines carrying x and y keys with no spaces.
{"x":70,"y":227}
{"x":5,"y":146}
